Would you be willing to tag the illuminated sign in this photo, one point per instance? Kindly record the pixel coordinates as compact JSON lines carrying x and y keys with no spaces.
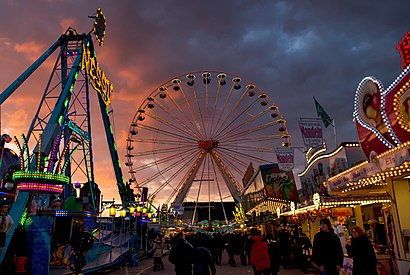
{"x":404,"y":47}
{"x":78,"y":130}
{"x":248,"y":174}
{"x":97,"y":76}
{"x":99,"y":26}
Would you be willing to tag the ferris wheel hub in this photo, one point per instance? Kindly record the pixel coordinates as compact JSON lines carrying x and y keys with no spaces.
{"x":208,"y":145}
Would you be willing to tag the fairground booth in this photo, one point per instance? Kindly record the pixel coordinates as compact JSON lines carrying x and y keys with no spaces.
{"x":368,"y":189}
{"x":267,"y":190}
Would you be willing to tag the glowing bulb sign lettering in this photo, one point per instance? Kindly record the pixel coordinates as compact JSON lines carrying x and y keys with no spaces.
{"x":97,"y":76}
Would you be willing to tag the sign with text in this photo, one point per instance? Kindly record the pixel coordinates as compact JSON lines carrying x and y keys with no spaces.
{"x":285,"y":157}
{"x":278,"y":183}
{"x":311,"y":130}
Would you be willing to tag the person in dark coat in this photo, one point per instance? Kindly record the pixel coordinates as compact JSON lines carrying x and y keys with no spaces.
{"x":274,"y":253}
{"x":327,"y":251}
{"x":362,"y":252}
{"x":203,"y":262}
{"x":284,"y":236}
{"x":181,"y":255}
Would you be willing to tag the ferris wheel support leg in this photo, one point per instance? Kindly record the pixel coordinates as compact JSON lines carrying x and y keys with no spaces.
{"x":183,"y":191}
{"x":228,"y":178}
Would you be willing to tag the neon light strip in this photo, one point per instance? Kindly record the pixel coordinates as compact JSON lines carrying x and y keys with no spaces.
{"x":41,"y":176}
{"x":27,"y":186}
{"x":53,"y":154}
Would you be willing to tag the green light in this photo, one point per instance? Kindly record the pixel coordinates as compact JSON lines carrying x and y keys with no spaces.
{"x":23,"y":217}
{"x":66,"y":102}
{"x":111,"y":129}
{"x":72,"y":87}
{"x":31,"y":175}
{"x":60,"y":120}
{"x":119,"y":163}
{"x":115,"y":147}
{"x":76,"y":75}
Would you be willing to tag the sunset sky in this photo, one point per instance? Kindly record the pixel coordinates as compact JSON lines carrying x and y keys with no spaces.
{"x":293,"y":50}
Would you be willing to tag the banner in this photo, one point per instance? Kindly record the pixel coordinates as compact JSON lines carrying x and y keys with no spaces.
{"x":311,"y":130}
{"x":285,"y":158}
{"x":278,"y":183}
{"x":327,"y":120}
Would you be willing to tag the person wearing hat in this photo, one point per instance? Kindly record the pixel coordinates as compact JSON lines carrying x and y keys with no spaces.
{"x":327,"y":253}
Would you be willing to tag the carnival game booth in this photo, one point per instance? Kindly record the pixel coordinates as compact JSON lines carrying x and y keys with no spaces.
{"x":267,"y":190}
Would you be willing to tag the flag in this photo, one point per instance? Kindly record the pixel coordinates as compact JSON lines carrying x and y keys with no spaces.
{"x":322,"y":114}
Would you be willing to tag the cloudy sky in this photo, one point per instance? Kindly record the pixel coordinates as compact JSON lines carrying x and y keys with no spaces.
{"x":293,"y":50}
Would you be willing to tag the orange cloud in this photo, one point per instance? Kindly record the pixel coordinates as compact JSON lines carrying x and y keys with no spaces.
{"x":31,"y":50}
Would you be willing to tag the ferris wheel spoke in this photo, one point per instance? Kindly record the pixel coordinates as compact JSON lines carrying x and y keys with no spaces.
{"x":223,"y":110}
{"x":161,"y":141}
{"x":255,"y":139}
{"x":199,"y":190}
{"x":200,"y":112}
{"x":250,"y":130}
{"x":247,"y":156}
{"x":193,"y":127}
{"x":219,"y":189}
{"x":220,"y":76}
{"x":163,"y":171}
{"x":158,"y":151}
{"x":253,"y":149}
{"x":166,"y":133}
{"x":171,"y":178}
{"x":188,"y":180}
{"x":195,"y":124}
{"x":233,"y":162}
{"x":231,"y":116}
{"x":179,"y":155}
{"x":167,"y":123}
{"x":223,"y":134}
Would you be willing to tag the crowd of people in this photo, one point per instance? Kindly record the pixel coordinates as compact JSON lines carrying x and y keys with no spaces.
{"x":199,"y":253}
{"x":285,"y":247}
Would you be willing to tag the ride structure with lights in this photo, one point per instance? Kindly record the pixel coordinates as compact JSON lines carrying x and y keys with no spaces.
{"x":60,"y":133}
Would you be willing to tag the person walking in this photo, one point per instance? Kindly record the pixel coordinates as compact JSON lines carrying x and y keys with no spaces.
{"x":274,"y":253}
{"x":158,"y":252}
{"x":181,"y":255}
{"x":203,"y":262}
{"x":327,"y":252}
{"x":362,"y":252}
{"x":259,"y":254}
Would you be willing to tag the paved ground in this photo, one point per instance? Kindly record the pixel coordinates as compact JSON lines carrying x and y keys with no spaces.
{"x":145,"y":268}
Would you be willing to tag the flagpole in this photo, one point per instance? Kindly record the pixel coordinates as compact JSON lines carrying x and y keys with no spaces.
{"x":334,"y":132}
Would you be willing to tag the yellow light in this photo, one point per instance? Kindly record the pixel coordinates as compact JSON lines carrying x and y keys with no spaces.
{"x":132,"y":209}
{"x":149,"y":215}
{"x":144,"y":210}
{"x":113,"y":211}
{"x":154,"y":220}
{"x":138,"y":208}
{"x":123,"y":213}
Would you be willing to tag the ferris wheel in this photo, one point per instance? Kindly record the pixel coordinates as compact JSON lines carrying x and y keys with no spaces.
{"x":193,"y":138}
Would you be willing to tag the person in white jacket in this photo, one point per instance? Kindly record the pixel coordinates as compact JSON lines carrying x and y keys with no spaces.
{"x":340,"y":232}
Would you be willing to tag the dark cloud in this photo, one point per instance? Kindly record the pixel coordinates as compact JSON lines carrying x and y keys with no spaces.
{"x":293,"y":50}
